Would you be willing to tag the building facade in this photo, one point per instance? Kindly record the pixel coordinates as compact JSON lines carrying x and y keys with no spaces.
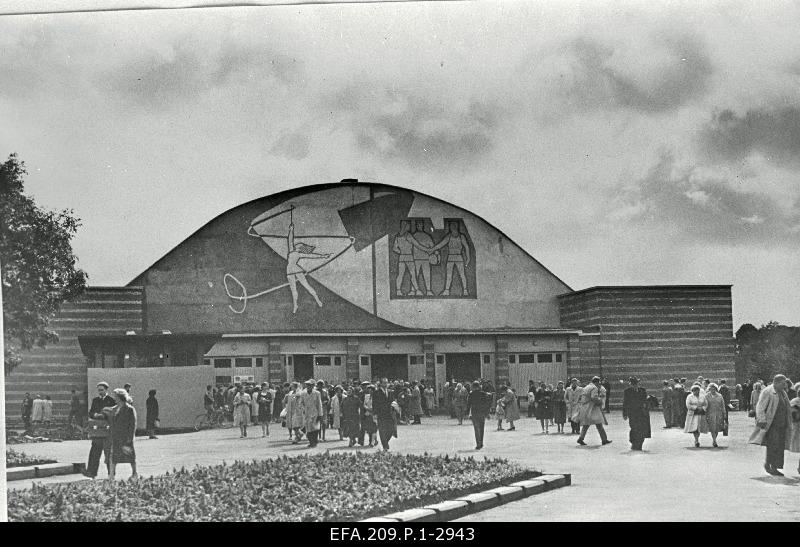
{"x":343,"y":281}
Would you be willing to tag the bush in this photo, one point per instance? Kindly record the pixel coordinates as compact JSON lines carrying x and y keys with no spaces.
{"x":319,"y":487}
{"x":20,"y":459}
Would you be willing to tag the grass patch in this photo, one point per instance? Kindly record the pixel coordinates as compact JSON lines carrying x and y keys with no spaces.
{"x":20,"y":459}
{"x":319,"y":487}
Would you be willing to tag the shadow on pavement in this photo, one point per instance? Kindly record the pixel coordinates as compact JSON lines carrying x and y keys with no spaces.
{"x":785,"y":481}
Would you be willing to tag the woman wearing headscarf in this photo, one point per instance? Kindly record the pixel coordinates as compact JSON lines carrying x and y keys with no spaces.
{"x":460,"y":402}
{"x":794,"y":444}
{"x":368,"y":424}
{"x":559,"y":407}
{"x":264,"y":409}
{"x":716,"y":412}
{"x":511,"y":408}
{"x":544,"y":409}
{"x":754,"y":395}
{"x":430,"y":399}
{"x":336,"y":410}
{"x":241,"y":411}
{"x":696,"y":414}
{"x":295,"y":419}
{"x":122,"y":418}
{"x":773,"y":424}
{"x":351,"y":416}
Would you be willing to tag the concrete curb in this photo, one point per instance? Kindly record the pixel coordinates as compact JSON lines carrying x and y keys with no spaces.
{"x":44,"y":470}
{"x":480,"y":501}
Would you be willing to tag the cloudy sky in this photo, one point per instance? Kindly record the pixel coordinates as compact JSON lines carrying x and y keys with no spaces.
{"x":619,"y":143}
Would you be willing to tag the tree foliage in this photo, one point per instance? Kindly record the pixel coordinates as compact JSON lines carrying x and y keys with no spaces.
{"x":37,"y":262}
{"x":772,"y":349}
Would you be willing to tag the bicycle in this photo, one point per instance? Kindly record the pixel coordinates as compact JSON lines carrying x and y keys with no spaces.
{"x":219,"y":419}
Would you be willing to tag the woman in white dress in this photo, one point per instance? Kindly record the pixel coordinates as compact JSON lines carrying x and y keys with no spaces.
{"x":696,"y":423}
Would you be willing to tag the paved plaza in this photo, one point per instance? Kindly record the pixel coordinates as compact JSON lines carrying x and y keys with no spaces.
{"x":669,"y":480}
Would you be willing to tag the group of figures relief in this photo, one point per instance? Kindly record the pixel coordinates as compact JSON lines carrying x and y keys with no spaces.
{"x":417,"y":254}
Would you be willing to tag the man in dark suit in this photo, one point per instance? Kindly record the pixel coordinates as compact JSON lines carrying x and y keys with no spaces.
{"x":478,"y":402}
{"x":636,"y":411}
{"x":103,"y":444}
{"x":382,"y":408}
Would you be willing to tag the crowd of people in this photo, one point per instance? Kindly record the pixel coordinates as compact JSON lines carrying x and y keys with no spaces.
{"x":366,"y":413}
{"x":36,"y":411}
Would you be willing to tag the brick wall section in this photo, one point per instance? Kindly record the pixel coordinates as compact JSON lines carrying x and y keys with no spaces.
{"x":429,"y":350}
{"x":654,"y":332}
{"x":352,"y":369}
{"x":501,"y":362}
{"x":60,"y":368}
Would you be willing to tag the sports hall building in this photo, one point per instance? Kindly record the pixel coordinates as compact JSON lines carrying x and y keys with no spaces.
{"x":359,"y":280}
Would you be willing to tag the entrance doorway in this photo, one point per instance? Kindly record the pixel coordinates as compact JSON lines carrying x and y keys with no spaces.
{"x":303,"y":367}
{"x":393,"y":366}
{"x":463,"y":367}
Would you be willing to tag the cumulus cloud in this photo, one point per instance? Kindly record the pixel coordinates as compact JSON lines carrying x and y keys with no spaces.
{"x":698,"y":209}
{"x":771,"y":132}
{"x":404,"y":127}
{"x":183,"y":71}
{"x":294,"y":146}
{"x":666,"y":73}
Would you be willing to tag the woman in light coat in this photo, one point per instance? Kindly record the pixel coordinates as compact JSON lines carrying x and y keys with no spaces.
{"x":122,"y":419}
{"x":295,"y":419}
{"x":572,"y":397}
{"x":460,"y":402}
{"x":696,"y":422}
{"x":716,"y":412}
{"x":241,"y":411}
{"x":511,"y":408}
{"x":336,"y":410}
{"x":794,"y":445}
{"x":37,"y":412}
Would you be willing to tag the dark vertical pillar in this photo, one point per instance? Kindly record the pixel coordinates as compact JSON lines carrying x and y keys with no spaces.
{"x":430,"y":360}
{"x":573,"y":356}
{"x":276,"y":372}
{"x":352,"y":369}
{"x":501,"y":362}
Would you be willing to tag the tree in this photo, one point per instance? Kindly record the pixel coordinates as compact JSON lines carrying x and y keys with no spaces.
{"x":772,"y":349}
{"x":37,"y":262}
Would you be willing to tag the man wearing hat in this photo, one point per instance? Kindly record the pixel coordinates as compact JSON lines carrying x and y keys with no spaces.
{"x":100,"y":445}
{"x":636,"y":410}
{"x":311,"y":402}
{"x":591,"y":400}
{"x":382,"y":408}
{"x":478,"y":404}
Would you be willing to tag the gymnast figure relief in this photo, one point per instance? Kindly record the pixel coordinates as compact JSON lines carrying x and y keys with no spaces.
{"x":295,"y":272}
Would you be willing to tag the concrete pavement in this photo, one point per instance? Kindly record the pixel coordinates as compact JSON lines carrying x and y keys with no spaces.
{"x":669,"y":480}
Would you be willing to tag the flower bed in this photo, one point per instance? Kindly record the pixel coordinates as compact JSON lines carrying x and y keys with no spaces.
{"x":43,"y":434}
{"x":319,"y":487}
{"x":20,"y":459}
